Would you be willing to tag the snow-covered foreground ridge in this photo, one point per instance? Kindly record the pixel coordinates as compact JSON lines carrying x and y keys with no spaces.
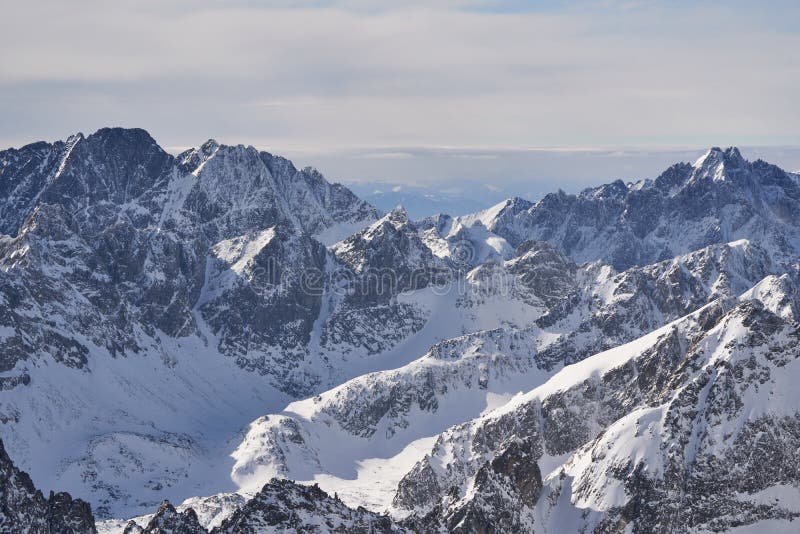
{"x":617,"y":359}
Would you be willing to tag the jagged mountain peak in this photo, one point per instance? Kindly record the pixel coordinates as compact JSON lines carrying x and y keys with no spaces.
{"x":210,"y":145}
{"x":394,"y":223}
{"x":716,"y":155}
{"x":504,"y":209}
{"x":117,"y":135}
{"x":720,"y":198}
{"x":72,"y":139}
{"x":716,"y":163}
{"x":158,"y":305}
{"x":516,"y":203}
{"x":168,"y":519}
{"x":283,"y":506}
{"x":193,"y":159}
{"x":614,"y":190}
{"x":392,"y":242}
{"x":126,"y":167}
{"x":398,"y":217}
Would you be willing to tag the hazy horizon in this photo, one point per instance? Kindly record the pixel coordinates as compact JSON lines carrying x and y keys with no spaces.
{"x":503,"y":96}
{"x":462,"y":180}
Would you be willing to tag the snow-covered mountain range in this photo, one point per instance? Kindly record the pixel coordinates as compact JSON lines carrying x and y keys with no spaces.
{"x":225,"y":332}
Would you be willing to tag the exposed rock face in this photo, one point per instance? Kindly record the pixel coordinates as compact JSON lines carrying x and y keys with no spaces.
{"x":141,"y":239}
{"x":283,"y":506}
{"x":274,"y":311}
{"x":169,"y":520}
{"x":116,"y":251}
{"x":719,"y":199}
{"x":455,"y":375}
{"x":385,"y":259}
{"x":618,"y":360}
{"x":23,"y":508}
{"x":503,"y":497}
{"x":280,"y":506}
{"x":672,"y":420}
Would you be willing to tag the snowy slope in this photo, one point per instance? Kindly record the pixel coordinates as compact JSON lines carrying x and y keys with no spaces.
{"x":141,"y":324}
{"x":381,"y":420}
{"x":718,"y":199}
{"x":612,"y":435}
{"x":188,"y":328}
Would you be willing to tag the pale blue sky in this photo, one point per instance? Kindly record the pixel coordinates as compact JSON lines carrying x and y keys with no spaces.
{"x":323,"y":80}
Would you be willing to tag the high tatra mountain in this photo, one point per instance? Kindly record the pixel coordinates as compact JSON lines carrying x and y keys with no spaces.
{"x":221,"y":342}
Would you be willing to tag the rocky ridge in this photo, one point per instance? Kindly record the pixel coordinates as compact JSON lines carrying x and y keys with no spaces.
{"x":719,"y":199}
{"x":154,"y":304}
{"x":24,"y":508}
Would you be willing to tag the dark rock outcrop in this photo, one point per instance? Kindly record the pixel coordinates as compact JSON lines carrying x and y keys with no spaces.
{"x":23,"y":508}
{"x":719,"y":199}
{"x":167,"y":520}
{"x":283,"y":506}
